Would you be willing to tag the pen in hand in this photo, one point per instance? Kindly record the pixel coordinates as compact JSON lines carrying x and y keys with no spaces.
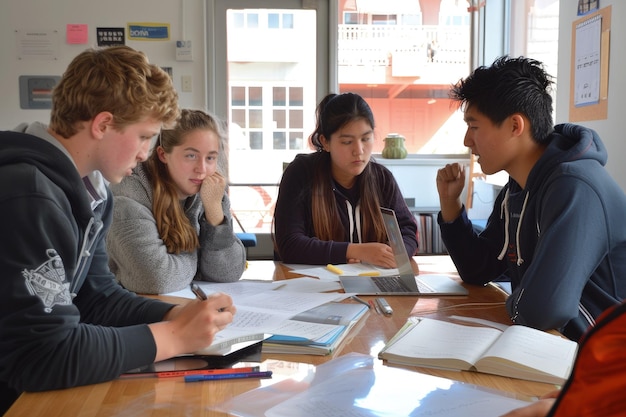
{"x":198,"y":291}
{"x":195,"y":288}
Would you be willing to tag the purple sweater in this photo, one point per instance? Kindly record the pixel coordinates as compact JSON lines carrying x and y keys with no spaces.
{"x":293,"y":220}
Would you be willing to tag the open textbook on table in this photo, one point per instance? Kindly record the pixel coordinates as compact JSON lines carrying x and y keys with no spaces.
{"x":518,"y":352}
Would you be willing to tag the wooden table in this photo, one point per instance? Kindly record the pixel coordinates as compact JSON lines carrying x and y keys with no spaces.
{"x":174,"y":397}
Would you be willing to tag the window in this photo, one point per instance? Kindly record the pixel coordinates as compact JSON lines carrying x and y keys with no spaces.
{"x":402,"y":58}
{"x":272,"y":88}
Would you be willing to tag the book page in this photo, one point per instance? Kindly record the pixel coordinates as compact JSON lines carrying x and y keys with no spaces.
{"x":434,"y":339}
{"x":535,"y":349}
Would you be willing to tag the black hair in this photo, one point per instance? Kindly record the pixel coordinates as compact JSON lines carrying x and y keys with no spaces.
{"x":337,"y":110}
{"x":509,"y":86}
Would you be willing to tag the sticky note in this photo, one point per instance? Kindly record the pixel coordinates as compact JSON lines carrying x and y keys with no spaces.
{"x":369,"y":274}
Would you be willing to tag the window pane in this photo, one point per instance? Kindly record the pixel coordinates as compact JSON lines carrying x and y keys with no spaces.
{"x":238,"y":96}
{"x":239,"y":116}
{"x":279,"y":119}
{"x":273,"y":21}
{"x":256,"y":119}
{"x":256,"y":96}
{"x":238,"y":20}
{"x":253,"y":20}
{"x":295,"y":96}
{"x":296,"y":140}
{"x":279,"y":140}
{"x":256,"y":140}
{"x":288,"y":21}
{"x":279,"y":98}
{"x":295,"y":119}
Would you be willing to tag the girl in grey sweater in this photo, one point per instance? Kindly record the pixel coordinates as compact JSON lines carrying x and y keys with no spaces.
{"x":171,"y":221}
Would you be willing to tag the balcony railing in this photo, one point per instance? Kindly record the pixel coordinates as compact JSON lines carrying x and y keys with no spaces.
{"x":374,"y":45}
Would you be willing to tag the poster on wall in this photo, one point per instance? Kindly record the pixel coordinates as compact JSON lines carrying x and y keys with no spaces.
{"x":149,"y":31}
{"x":110,"y":36}
{"x":589,"y":67}
{"x":37,"y":44}
{"x":587,"y":6}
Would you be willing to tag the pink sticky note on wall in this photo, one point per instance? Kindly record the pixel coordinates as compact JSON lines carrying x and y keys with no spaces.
{"x":77,"y":34}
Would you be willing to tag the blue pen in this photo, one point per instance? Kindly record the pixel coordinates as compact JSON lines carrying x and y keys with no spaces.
{"x":195,"y":378}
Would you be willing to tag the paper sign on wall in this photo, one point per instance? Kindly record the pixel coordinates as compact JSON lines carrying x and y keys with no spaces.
{"x":149,"y":31}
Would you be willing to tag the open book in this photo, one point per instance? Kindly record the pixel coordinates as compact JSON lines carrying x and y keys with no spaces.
{"x":518,"y":352}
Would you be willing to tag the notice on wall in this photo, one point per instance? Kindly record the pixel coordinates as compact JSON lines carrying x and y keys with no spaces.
{"x":76,"y":34}
{"x":587,"y":60}
{"x":149,"y":31}
{"x":110,"y":36}
{"x":37,"y":44}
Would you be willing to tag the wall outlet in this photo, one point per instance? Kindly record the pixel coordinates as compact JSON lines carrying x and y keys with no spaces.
{"x":186,"y":83}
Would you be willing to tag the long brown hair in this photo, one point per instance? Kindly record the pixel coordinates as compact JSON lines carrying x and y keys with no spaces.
{"x":177,"y":232}
{"x":334,"y":112}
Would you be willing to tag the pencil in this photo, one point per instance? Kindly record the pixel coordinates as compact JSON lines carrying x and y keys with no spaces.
{"x":195,"y":378}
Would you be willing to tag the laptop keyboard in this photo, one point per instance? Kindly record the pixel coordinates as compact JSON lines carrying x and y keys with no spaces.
{"x":393,"y":283}
{"x":390,"y":284}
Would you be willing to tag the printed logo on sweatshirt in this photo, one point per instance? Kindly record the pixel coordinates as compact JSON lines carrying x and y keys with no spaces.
{"x":48,"y":282}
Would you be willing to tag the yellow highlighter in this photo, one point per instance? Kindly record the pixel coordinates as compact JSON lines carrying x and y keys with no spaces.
{"x":369,"y":274}
{"x":333,"y":268}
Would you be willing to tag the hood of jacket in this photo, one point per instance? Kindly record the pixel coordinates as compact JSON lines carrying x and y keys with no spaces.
{"x":568,"y":143}
{"x":17,"y":147}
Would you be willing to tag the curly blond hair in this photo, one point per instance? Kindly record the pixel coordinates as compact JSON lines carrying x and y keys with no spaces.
{"x":117,"y":79}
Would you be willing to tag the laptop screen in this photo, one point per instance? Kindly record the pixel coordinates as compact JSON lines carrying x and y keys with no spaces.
{"x":396,"y":242}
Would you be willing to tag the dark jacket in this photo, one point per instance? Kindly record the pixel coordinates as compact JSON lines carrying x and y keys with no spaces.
{"x":561,"y":240}
{"x":293,"y":219}
{"x":64,"y":321}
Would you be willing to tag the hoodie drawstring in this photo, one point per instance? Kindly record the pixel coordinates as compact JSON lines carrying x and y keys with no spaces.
{"x":504,"y":211}
{"x":354,"y":222}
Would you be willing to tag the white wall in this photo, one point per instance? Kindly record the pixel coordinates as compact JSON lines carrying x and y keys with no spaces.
{"x":55,"y":15}
{"x":610,"y":130}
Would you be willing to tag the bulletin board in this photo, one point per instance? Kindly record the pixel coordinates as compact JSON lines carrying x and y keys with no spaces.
{"x":589,"y":70}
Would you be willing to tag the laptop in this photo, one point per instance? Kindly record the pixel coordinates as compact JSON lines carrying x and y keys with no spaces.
{"x":406,"y":282}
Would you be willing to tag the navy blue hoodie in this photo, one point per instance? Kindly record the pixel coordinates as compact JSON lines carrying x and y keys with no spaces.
{"x":561,"y":240}
{"x":64,"y":320}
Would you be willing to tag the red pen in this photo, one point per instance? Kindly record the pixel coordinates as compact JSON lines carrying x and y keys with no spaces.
{"x":169,"y":374}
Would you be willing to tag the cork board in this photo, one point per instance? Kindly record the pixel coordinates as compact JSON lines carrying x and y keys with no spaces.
{"x":591,"y":107}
